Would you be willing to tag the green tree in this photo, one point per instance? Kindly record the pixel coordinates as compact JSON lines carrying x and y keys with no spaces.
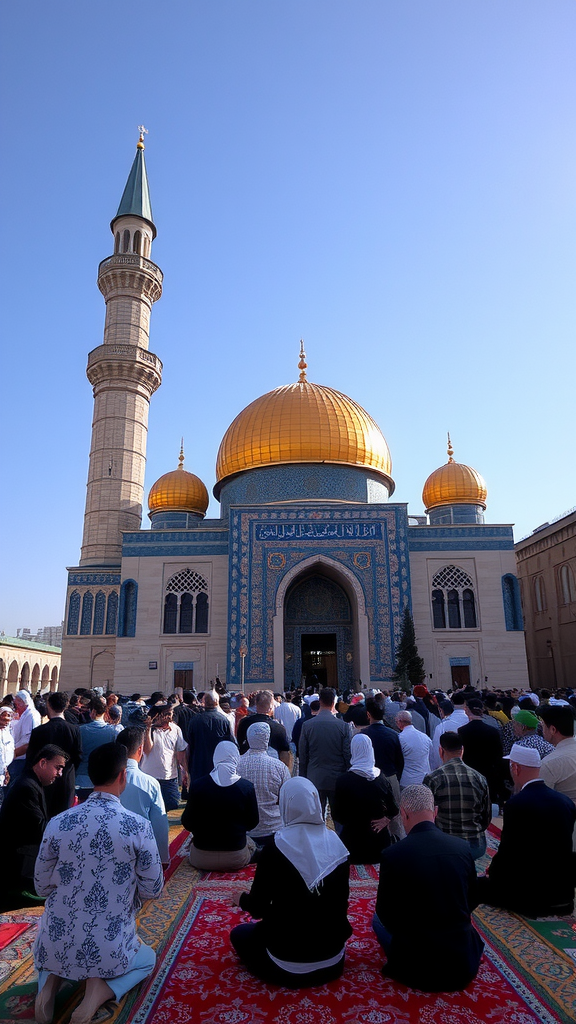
{"x":409,"y":665}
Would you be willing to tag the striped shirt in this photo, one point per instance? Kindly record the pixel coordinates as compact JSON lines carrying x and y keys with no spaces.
{"x":463,"y":799}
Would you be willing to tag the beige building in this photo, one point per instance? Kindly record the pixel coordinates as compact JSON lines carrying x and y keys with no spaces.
{"x":546,"y":562}
{"x":25,"y":665}
{"x":305,"y":575}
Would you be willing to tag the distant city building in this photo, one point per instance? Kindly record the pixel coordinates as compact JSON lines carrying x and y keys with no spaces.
{"x":546,"y":562}
{"x":51,"y":635}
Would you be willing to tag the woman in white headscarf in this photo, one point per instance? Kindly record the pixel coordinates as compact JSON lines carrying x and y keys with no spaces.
{"x":300,"y":896}
{"x":364,"y":804}
{"x":220,"y":810}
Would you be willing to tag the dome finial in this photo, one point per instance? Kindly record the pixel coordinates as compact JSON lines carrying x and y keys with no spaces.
{"x":143,"y":131}
{"x":302,"y":379}
{"x":181,"y":456}
{"x":450,"y":449}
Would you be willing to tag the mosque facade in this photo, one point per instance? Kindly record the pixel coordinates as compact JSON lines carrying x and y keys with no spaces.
{"x":307,"y":571}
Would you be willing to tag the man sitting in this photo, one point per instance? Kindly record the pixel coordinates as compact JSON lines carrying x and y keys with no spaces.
{"x":143,"y":794}
{"x":532,"y":871}
{"x":425,"y":895}
{"x":96,"y":864}
{"x":23,"y":819}
{"x":267,"y":775}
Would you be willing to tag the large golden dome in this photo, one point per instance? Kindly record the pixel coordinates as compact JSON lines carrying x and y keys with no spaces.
{"x":303,"y":422}
{"x":178,"y":491}
{"x":454,"y":484}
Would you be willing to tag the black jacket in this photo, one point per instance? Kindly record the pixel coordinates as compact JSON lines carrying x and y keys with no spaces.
{"x":532,"y":872}
{"x":357,"y":801}
{"x":220,"y":816}
{"x":388,"y":754}
{"x":23,"y":818}
{"x":60,"y":795}
{"x":483,"y":752}
{"x":205,"y":732}
{"x":298,"y":924}
{"x":434,"y":946}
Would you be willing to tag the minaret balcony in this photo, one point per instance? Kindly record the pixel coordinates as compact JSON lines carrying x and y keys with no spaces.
{"x":131,"y":274}
{"x":130,"y":363}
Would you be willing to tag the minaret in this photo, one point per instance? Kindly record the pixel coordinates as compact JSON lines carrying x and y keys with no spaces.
{"x":124,"y":375}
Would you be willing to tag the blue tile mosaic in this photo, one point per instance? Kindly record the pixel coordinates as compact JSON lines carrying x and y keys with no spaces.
{"x":267,"y":543}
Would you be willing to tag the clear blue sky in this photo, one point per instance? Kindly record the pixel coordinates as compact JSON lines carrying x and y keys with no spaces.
{"x":393,"y":180}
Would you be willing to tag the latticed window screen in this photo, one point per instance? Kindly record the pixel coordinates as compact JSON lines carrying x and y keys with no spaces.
{"x":186,"y":603}
{"x":453,"y":591}
{"x":188,"y":582}
{"x":452,"y":576}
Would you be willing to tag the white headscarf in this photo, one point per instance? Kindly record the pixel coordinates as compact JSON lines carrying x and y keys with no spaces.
{"x":258,"y":736}
{"x":26,"y":699}
{"x":363,"y":757}
{"x":304,"y":840}
{"x":226,"y":758}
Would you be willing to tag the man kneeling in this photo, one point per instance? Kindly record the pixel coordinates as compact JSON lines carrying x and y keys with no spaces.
{"x":426,"y":892}
{"x":96,"y":863}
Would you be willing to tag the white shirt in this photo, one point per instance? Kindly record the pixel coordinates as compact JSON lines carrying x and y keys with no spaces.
{"x":22,"y":728}
{"x":6,"y":751}
{"x":287,"y":714}
{"x":452,"y":723}
{"x":161,"y":763}
{"x":416,"y":748}
{"x":96,"y":865}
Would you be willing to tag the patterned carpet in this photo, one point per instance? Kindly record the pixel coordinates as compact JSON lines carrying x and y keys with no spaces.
{"x":525,"y":977}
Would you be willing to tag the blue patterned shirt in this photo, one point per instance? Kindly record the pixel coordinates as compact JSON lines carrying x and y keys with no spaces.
{"x":97,"y":862}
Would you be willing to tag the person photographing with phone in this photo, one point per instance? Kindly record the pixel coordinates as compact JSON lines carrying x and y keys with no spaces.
{"x":164,"y":750}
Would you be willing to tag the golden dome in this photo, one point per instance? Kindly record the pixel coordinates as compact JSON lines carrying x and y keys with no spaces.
{"x":303,"y":422}
{"x":454,"y":484}
{"x":178,"y":491}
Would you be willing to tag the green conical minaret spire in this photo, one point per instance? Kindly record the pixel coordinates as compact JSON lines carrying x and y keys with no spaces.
{"x":135,"y":200}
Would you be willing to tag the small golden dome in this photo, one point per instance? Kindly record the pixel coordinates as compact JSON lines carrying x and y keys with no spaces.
{"x":303,"y":422}
{"x":178,"y":491}
{"x":454,"y":484}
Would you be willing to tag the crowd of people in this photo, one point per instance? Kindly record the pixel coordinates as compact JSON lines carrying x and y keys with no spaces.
{"x":302,"y":785}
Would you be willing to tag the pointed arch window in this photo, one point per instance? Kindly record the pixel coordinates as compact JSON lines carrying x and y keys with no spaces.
{"x":170,"y":613}
{"x":86,"y":620}
{"x":117,"y":242}
{"x":453,"y":599}
{"x":99,"y":610}
{"x":539,"y":595}
{"x":186,"y":603}
{"x":127,"y":608}
{"x":137,"y":242}
{"x":567,"y":585}
{"x":111,"y":613}
{"x":202,"y":613}
{"x":438,"y":609}
{"x":126,"y":241}
{"x":186,"y":613}
{"x":512,"y":602}
{"x":73,"y":613}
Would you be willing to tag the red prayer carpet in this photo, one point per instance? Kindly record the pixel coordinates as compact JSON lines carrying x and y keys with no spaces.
{"x":199,"y":979}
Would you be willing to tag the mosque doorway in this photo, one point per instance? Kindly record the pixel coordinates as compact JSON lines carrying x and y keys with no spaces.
{"x":319,"y":632}
{"x":319,"y":659}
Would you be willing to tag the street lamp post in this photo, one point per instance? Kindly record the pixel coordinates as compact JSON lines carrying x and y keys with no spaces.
{"x":243,"y":653}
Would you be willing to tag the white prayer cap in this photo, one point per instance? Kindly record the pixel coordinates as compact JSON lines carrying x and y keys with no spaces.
{"x":527,"y":756}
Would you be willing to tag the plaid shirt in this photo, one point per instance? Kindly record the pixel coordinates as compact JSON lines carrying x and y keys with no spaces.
{"x":463,"y":799}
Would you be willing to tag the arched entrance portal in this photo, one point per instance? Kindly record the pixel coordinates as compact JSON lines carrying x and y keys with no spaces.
{"x":319,"y":647}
